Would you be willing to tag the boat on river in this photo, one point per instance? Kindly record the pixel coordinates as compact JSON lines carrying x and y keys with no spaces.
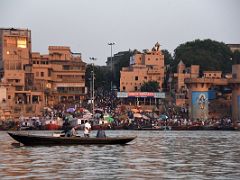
{"x":34,"y":140}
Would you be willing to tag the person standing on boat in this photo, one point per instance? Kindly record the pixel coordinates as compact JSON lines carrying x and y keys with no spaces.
{"x":101,"y":132}
{"x":87,"y":129}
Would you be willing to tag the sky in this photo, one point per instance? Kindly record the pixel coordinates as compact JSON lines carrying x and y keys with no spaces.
{"x":87,"y":26}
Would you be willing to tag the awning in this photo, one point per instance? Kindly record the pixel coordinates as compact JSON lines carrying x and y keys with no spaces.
{"x":137,"y":115}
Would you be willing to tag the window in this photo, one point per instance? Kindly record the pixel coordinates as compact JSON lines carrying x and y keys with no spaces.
{"x":10,"y":41}
{"x":124,"y":88}
{"x":42,"y":74}
{"x":49,"y":72}
{"x":9,"y":97}
{"x":18,"y":66}
{"x":66,"y":67}
{"x":21,"y":43}
{"x":145,"y":77}
{"x":135,"y":88}
{"x":136,"y":78}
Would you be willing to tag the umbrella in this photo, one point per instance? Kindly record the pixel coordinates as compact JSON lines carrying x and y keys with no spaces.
{"x":148,"y":110}
{"x":48,"y":109}
{"x":98,"y":110}
{"x":71,"y":110}
{"x":97,"y":115}
{"x":109,"y":119}
{"x":137,"y":115}
{"x":135,"y":110}
{"x":145,"y":117}
{"x":163,"y":117}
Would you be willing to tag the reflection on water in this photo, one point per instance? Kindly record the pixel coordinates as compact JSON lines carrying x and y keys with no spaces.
{"x":153,"y":155}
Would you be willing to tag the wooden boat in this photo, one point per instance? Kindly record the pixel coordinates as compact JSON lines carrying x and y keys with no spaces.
{"x":33,"y":140}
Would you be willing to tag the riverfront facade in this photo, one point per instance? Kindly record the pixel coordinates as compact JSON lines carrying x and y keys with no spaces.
{"x":144,"y":67}
{"x":30,"y":81}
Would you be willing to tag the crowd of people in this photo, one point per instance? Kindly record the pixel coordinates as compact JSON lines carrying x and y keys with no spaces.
{"x":124,"y":118}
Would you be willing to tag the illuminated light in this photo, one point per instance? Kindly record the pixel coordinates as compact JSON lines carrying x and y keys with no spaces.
{"x":21,"y":43}
{"x":8,"y":52}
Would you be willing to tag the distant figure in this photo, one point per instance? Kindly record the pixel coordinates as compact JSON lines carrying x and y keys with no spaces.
{"x":101,"y":132}
{"x":87,"y":129}
{"x":202,"y":100}
{"x":73,"y":132}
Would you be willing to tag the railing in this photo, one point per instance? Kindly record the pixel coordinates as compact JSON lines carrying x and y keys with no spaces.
{"x":220,"y":81}
{"x":71,"y":92}
{"x":153,"y":72}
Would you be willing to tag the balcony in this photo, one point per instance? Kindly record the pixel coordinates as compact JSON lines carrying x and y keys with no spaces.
{"x":71,"y":92}
{"x":153,"y":72}
{"x":215,"y":81}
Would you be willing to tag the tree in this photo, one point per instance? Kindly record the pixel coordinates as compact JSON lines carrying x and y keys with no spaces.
{"x":168,"y":59}
{"x":168,"y":62}
{"x":209,"y":54}
{"x":102,"y":74}
{"x":150,"y":86}
{"x":121,"y":61}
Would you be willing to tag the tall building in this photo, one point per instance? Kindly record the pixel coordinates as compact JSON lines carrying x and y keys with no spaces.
{"x":30,"y":81}
{"x":60,"y":75}
{"x":15,"y":52}
{"x":144,"y":67}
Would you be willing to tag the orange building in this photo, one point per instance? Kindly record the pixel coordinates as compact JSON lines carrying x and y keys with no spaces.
{"x":144,"y":67}
{"x":184,"y":72}
{"x":181,"y":90}
{"x":30,"y":81}
{"x":60,"y":75}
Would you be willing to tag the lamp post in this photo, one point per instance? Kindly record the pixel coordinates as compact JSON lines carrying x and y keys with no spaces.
{"x":92,"y":93}
{"x":111,"y":44}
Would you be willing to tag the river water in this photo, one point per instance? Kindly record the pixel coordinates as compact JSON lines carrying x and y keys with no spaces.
{"x":153,"y":155}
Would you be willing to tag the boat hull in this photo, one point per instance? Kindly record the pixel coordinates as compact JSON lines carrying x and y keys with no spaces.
{"x":34,"y":140}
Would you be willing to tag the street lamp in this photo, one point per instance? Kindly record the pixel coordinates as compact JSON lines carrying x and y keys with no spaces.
{"x":111,"y":44}
{"x":92,"y":93}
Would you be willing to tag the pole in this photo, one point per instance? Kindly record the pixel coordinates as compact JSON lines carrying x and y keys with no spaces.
{"x":111,"y":70}
{"x":93,"y":77}
{"x":93,"y":91}
{"x":111,"y":44}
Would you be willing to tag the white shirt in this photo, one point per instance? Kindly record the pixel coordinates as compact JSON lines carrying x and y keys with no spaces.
{"x":87,"y":128}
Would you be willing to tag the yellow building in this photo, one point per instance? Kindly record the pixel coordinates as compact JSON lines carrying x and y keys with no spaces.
{"x":30,"y":81}
{"x":144,"y":67}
